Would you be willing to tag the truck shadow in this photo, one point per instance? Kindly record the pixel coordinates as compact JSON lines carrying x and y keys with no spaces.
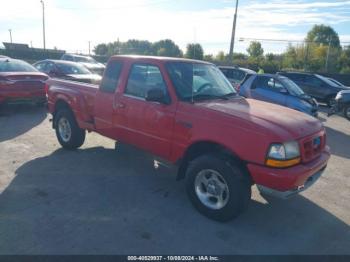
{"x":105,"y":201}
{"x":17,"y":119}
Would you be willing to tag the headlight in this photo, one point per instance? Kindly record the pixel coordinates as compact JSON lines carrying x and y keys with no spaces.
{"x":283,"y":155}
{"x":339,"y":95}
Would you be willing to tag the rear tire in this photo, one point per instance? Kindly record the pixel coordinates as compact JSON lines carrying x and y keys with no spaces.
{"x":68,"y":133}
{"x":217,"y":189}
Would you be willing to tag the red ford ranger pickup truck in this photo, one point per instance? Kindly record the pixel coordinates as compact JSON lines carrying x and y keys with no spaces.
{"x":187,"y":113}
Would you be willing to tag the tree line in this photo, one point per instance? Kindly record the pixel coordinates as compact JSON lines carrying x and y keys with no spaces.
{"x":320,"y":52}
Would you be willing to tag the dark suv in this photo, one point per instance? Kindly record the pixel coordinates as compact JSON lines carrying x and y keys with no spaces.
{"x":317,"y":86}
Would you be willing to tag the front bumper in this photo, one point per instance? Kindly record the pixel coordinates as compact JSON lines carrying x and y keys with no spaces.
{"x":289,"y":181}
{"x":286,"y":194}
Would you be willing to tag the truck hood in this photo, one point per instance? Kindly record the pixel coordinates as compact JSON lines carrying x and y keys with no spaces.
{"x":281,"y":121}
{"x":87,"y":78}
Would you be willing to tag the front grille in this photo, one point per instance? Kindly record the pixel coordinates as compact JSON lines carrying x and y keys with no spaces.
{"x":313,"y":146}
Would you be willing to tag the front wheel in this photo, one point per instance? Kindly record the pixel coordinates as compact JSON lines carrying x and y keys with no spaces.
{"x":216,"y":188}
{"x":347,"y":112}
{"x":68,"y":133}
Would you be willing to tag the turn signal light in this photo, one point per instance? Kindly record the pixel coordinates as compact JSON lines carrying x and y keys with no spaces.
{"x":282,"y":163}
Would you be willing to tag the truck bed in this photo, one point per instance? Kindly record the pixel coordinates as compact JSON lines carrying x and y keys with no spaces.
{"x":82,"y":93}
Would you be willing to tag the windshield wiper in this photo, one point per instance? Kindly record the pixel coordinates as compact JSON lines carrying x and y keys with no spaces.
{"x":228,"y":95}
{"x":208,"y":96}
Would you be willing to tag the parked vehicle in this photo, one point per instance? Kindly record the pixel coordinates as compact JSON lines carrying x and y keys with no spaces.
{"x":67,"y":70}
{"x":188,"y":114}
{"x":342,"y":104}
{"x":86,"y":61}
{"x":316,"y":86}
{"x":21,"y":82}
{"x":236,"y":75}
{"x":279,"y":90}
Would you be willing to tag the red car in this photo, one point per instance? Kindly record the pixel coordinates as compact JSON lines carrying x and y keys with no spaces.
{"x":188,"y":114}
{"x":19,"y":82}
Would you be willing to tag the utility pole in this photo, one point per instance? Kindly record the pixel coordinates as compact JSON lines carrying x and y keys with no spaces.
{"x":10,"y":30}
{"x":233,"y":33}
{"x":43,"y":5}
{"x":306,"y":55}
{"x":329,"y":47}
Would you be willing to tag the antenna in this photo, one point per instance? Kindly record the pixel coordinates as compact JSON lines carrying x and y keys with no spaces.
{"x":194,"y":56}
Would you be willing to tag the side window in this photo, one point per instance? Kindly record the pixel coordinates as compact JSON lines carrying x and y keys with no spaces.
{"x":238,"y":75}
{"x":49,"y":67}
{"x":295,"y":77}
{"x":227,"y":72}
{"x":143,"y":78}
{"x":68,"y":58}
{"x":313,"y":81}
{"x":111,"y":77}
{"x":268,"y":83}
{"x":262,"y":82}
{"x":41,"y":66}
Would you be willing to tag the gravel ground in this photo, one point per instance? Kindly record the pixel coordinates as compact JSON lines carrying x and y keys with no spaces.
{"x":98,"y":200}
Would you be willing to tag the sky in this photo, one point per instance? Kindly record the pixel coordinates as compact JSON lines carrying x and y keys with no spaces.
{"x":71,"y":24}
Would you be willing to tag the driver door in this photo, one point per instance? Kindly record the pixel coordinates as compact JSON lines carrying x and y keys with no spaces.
{"x":147,"y":125}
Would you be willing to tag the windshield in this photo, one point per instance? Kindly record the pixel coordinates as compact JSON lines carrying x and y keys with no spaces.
{"x":7,"y":65}
{"x":84,"y":59}
{"x":292,"y":87}
{"x":72,"y":69}
{"x":325,"y":79}
{"x":198,"y":80}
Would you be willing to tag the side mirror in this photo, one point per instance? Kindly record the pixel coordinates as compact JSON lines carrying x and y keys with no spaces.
{"x":156,"y":95}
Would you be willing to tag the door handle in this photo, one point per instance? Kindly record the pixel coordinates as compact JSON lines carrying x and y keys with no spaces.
{"x":120,"y":105}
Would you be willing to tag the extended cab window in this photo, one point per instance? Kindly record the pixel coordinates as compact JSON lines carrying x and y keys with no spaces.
{"x":143,"y":78}
{"x":111,"y":77}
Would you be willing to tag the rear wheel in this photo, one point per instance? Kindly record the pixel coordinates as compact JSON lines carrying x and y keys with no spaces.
{"x":217,"y":189}
{"x":68,"y":133}
{"x":347,"y":111}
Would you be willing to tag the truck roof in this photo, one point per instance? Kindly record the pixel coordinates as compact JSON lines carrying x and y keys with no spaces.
{"x":158,"y":58}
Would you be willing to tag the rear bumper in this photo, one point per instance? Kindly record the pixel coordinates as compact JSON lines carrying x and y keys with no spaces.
{"x":289,"y":181}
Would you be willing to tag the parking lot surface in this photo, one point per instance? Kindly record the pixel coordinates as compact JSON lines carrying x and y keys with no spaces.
{"x":102,"y":200}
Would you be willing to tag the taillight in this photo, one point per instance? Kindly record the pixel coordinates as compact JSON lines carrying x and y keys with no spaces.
{"x":46,"y":88}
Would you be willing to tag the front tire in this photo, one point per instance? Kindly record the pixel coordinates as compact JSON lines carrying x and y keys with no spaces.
{"x":68,"y":133}
{"x":218,"y":189}
{"x":347,"y":112}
